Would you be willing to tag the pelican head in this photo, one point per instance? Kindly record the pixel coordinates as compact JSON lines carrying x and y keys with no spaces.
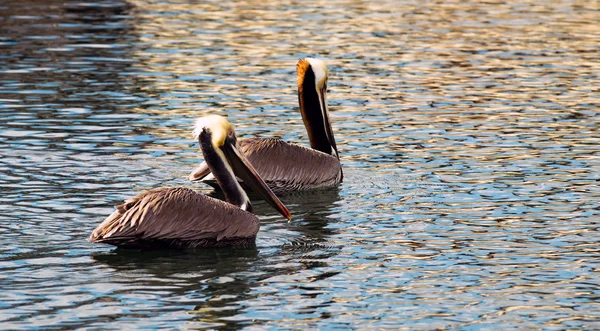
{"x":319,"y":69}
{"x":224,"y":159}
{"x":312,"y":95}
{"x":218,"y":126}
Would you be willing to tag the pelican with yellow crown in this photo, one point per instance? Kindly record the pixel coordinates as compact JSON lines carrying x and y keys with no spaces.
{"x":287,"y":167}
{"x":183,"y":218}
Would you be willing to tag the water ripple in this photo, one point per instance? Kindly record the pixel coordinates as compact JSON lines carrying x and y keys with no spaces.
{"x":468,"y":133}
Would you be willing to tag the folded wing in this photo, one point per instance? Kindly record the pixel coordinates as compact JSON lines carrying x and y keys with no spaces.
{"x":177,"y":217}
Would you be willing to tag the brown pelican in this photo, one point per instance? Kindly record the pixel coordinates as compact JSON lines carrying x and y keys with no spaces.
{"x":287,"y":167}
{"x":183,"y":218}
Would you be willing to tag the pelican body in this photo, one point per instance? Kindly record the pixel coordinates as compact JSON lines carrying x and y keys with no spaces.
{"x":182,"y":218}
{"x":287,"y":167}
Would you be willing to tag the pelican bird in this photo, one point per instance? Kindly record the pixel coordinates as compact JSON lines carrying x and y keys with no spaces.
{"x":287,"y":167}
{"x":183,"y":218}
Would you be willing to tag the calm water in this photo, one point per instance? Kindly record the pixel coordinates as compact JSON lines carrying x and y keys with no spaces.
{"x":469,"y":137}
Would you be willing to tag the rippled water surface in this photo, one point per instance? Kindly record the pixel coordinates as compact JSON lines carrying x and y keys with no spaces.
{"x":468,"y":134}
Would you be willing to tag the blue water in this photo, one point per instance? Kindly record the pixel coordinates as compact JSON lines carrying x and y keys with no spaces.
{"x":468,"y":133}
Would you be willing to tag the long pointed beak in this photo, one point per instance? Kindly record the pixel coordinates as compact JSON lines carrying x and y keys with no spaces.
{"x":328,"y":127}
{"x":244,"y":170}
{"x":199,"y":173}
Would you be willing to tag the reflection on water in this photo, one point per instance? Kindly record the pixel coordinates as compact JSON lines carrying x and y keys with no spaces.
{"x":215,"y":276}
{"x":468,"y":134}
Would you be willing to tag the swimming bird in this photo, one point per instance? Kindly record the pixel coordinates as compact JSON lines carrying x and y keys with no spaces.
{"x":183,"y":218}
{"x":288,"y":167}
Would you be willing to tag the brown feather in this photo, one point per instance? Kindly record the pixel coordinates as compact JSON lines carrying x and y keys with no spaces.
{"x":289,"y":167}
{"x":176,"y":217}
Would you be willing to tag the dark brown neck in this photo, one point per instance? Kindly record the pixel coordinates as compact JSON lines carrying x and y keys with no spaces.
{"x":313,"y":114}
{"x":234,"y":194}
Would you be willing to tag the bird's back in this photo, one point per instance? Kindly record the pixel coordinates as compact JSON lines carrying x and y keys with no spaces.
{"x":289,"y":167}
{"x":178,"y":218}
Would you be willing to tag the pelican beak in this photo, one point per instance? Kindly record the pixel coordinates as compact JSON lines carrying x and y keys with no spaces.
{"x":243,"y":169}
{"x":325,"y":112}
{"x":199,"y":173}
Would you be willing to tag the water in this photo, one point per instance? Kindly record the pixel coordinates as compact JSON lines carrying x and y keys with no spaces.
{"x":468,"y":134}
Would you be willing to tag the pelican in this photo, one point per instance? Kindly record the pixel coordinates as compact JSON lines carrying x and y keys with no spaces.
{"x":183,"y":218}
{"x":287,"y":167}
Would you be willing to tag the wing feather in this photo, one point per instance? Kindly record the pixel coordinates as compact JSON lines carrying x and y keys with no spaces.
{"x":287,"y":166}
{"x":175,"y":214}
